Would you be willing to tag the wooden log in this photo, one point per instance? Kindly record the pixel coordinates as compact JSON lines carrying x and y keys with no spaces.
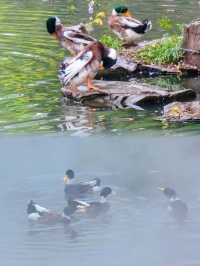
{"x":128,"y":95}
{"x":191,"y":44}
{"x":182,"y":112}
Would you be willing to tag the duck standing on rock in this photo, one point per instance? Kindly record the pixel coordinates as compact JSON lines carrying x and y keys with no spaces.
{"x":79,"y":190}
{"x":73,"y":38}
{"x":177,"y":208}
{"x":84,"y":67}
{"x":127,"y":28}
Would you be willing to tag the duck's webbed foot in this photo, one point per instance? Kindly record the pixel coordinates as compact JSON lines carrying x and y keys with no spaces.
{"x":92,"y":87}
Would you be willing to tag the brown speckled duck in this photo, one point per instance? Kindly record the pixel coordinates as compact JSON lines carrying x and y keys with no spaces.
{"x":73,"y":38}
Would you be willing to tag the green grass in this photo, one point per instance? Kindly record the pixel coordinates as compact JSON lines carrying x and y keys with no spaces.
{"x":111,"y":41}
{"x":167,"y":51}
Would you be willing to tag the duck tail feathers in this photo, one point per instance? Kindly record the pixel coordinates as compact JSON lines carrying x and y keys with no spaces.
{"x":94,"y":182}
{"x":148,"y":24}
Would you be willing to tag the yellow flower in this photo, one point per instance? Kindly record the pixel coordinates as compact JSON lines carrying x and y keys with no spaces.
{"x":98,"y":21}
{"x":101,"y":14}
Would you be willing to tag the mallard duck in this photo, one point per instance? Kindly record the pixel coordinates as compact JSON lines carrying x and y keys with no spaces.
{"x":84,"y":67}
{"x":71,"y":208}
{"x":94,"y":208}
{"x":127,"y":28}
{"x":177,"y":208}
{"x":39,"y":214}
{"x":73,"y":38}
{"x":79,"y":190}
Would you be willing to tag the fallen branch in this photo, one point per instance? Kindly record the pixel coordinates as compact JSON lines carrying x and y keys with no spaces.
{"x":128,"y":95}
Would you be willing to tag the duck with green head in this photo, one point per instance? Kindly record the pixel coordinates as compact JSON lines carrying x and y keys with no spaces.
{"x":177,"y":208}
{"x":72,"y":38}
{"x":126,"y":27}
{"x":94,"y":208}
{"x":41,"y":215}
{"x":75,"y":189}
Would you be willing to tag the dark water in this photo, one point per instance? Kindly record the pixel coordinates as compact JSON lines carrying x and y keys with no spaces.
{"x":29,"y":88}
{"x":136,"y":230}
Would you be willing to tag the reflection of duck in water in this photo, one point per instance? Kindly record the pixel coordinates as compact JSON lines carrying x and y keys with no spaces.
{"x":127,"y":28}
{"x":79,"y":190}
{"x":39,"y":214}
{"x":84,"y":67}
{"x":95,"y":208}
{"x":73,"y":38}
{"x":177,"y":208}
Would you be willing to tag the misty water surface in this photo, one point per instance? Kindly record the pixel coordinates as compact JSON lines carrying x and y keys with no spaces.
{"x":136,"y":231}
{"x":52,"y":138}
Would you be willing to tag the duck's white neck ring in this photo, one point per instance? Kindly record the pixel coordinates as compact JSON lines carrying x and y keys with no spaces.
{"x":102,"y":199}
{"x":114,"y":13}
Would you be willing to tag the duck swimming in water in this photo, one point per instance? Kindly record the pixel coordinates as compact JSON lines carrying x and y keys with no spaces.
{"x":95,"y":208}
{"x":41,"y":215}
{"x":84,"y":67}
{"x":73,"y":38}
{"x":79,"y":190}
{"x":177,"y":208}
{"x":127,"y":28}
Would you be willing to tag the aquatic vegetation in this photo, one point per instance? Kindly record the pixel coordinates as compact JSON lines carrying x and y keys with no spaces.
{"x":165,"y":23}
{"x":166,"y":51}
{"x":169,"y":49}
{"x":111,"y":41}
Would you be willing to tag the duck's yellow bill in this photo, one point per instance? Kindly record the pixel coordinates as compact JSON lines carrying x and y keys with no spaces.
{"x":128,"y":14}
{"x":55,"y":35}
{"x":66,"y":179}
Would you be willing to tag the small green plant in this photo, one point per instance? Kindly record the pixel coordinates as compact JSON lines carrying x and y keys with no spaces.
{"x":169,"y":26}
{"x":165,"y":23}
{"x":167,"y":51}
{"x":111,"y":42}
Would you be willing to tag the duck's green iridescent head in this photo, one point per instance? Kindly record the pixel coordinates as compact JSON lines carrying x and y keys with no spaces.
{"x":121,"y":10}
{"x":69,"y":175}
{"x":52,"y":23}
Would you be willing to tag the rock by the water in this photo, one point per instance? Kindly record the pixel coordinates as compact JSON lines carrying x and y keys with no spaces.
{"x":182,"y":112}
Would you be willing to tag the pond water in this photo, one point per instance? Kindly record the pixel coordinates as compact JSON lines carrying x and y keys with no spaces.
{"x":136,"y":230}
{"x":29,"y":88}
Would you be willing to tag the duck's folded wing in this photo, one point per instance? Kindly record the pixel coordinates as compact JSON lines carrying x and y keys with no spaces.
{"x":77,"y":65}
{"x":79,"y":28}
{"x":91,"y":183}
{"x":78,"y":37}
{"x":129,"y":22}
{"x":82,"y":203}
{"x":41,"y":209}
{"x":136,"y":25}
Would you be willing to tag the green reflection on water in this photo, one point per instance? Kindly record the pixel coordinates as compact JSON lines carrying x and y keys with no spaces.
{"x":29,"y":88}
